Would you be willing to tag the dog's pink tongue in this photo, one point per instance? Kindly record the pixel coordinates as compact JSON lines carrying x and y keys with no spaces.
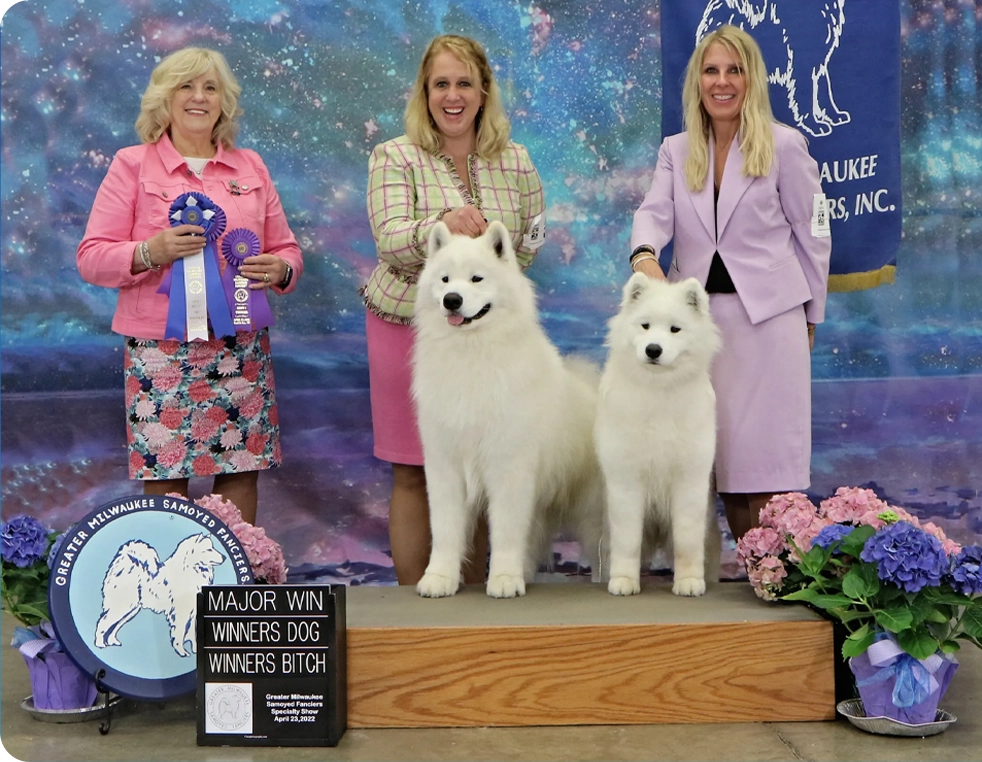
{"x":455,"y":319}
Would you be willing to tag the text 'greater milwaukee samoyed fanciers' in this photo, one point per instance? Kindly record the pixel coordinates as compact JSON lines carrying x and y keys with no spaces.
{"x":656,"y":433}
{"x":506,"y":422}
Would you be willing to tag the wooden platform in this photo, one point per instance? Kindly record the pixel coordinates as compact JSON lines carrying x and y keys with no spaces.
{"x":571,"y":654}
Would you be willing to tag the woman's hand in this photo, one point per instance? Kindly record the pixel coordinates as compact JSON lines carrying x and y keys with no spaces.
{"x":650,"y":268}
{"x":176,"y":243}
{"x":264,"y":269}
{"x":811,"y":336}
{"x":466,"y":220}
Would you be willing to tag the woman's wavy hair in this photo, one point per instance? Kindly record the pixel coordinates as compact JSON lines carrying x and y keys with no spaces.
{"x":491,"y":124}
{"x":176,"y":69}
{"x":756,"y":118}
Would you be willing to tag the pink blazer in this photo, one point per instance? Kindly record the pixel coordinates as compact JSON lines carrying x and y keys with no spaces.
{"x":765,"y":226}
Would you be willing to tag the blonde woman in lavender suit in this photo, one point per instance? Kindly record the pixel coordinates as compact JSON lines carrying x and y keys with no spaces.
{"x":456,"y":164}
{"x":740,"y":195}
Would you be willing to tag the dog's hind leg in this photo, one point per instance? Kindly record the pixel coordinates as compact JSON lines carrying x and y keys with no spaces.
{"x":109,"y":625}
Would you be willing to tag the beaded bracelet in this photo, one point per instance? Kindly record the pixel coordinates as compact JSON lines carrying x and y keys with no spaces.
{"x":145,"y":256}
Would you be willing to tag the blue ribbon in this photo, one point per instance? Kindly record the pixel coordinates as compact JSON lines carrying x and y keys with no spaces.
{"x":915,"y":679}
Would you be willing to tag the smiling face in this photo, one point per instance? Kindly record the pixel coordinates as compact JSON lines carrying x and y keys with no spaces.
{"x":454,"y":98}
{"x":195,"y":108}
{"x":722,"y":84}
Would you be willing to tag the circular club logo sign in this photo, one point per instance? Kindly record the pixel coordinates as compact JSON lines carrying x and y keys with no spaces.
{"x":124,"y":587}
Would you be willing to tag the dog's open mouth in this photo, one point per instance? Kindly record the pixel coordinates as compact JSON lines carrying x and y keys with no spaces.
{"x":456,"y":319}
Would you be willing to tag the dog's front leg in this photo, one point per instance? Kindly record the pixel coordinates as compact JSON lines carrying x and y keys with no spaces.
{"x":626,"y":507}
{"x":511,"y":503}
{"x":449,"y":520}
{"x":690,"y":514}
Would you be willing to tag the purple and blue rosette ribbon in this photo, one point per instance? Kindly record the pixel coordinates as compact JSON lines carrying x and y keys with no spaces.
{"x":195,"y":208}
{"x":249,"y":307}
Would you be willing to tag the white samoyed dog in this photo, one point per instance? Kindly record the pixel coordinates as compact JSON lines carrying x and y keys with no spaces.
{"x":506,"y":422}
{"x":656,"y":434}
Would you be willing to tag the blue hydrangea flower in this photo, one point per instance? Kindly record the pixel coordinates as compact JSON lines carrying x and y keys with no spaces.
{"x":25,"y":541}
{"x":831,"y":533}
{"x":906,"y":556}
{"x":966,"y":577}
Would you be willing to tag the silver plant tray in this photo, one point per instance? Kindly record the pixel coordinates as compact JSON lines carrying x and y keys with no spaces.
{"x":853,"y":711}
{"x":69,"y":715}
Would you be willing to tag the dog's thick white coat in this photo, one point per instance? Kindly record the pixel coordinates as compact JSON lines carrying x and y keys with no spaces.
{"x":136,"y":579}
{"x":656,"y":433}
{"x":506,"y":422}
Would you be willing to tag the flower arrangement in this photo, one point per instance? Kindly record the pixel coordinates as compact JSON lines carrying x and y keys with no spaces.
{"x":264,"y":554}
{"x":28,"y":548}
{"x":872,"y":566}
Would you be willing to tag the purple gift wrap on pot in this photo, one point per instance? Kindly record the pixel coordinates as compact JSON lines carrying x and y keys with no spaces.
{"x":56,"y":681}
{"x":894,"y":684}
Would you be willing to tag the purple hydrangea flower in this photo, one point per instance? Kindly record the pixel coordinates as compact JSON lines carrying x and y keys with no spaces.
{"x":831,"y":533}
{"x":25,"y":541}
{"x":907,"y":556}
{"x":966,"y":577}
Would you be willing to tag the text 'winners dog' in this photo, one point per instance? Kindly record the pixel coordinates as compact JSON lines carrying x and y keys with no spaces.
{"x":656,"y":433}
{"x":505,"y":421}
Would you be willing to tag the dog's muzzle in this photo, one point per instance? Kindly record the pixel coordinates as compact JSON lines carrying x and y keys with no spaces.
{"x":653,"y":353}
{"x":453,"y":302}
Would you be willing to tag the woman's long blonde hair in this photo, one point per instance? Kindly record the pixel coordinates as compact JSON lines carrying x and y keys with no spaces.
{"x":491,"y":124}
{"x":179,"y":67}
{"x":755,"y":134}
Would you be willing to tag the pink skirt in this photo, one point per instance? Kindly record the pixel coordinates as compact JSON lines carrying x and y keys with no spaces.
{"x":390,"y":348}
{"x":762,"y":380}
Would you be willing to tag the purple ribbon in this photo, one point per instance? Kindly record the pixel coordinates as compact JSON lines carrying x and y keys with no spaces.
{"x":249,"y":307}
{"x":195,"y":208}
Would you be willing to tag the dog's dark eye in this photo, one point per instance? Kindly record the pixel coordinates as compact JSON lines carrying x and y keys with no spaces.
{"x":445,"y":279}
{"x":477,"y":278}
{"x":646,"y":326}
{"x":675,"y":329}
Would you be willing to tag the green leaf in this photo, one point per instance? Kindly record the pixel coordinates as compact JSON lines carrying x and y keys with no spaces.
{"x":972,"y":621}
{"x":950,"y":647}
{"x":832,"y":601}
{"x":894,"y":619}
{"x":806,"y":594}
{"x":918,"y":643}
{"x":852,"y":543}
{"x":851,"y":647}
{"x":856,"y":584}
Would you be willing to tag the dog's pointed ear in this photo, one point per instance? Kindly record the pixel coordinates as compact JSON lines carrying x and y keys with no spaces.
{"x":439,"y":237}
{"x":696,"y":296}
{"x":635,"y":287}
{"x":499,"y":240}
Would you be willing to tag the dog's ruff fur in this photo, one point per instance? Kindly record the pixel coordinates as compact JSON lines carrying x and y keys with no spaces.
{"x":656,"y":434}
{"x":506,"y":422}
{"x":137,"y":580}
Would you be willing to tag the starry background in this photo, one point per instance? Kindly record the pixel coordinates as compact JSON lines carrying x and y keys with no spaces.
{"x":898,"y":370}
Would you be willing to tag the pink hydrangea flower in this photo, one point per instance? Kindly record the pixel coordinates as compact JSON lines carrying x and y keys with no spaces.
{"x":759,"y":542}
{"x":850,"y":504}
{"x":766,"y":577}
{"x":265,"y":554}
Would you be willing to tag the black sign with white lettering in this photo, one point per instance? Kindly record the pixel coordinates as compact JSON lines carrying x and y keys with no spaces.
{"x":271,"y":665}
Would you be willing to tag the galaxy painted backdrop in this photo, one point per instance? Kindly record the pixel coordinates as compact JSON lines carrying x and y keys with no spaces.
{"x":898,"y":369}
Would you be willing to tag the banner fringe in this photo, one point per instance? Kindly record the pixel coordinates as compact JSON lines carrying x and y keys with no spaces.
{"x":862,"y":281}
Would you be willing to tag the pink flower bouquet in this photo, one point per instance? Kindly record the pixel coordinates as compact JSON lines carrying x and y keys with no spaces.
{"x":264,"y":554}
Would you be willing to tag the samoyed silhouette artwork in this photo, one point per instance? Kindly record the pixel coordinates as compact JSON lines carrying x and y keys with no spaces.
{"x":137,"y":579}
{"x":807,"y":37}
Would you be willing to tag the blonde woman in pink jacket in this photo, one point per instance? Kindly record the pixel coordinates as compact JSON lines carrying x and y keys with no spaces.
{"x":739,"y":196}
{"x":200,"y":393}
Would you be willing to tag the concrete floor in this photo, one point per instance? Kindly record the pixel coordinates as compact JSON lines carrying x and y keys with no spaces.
{"x":167,"y":732}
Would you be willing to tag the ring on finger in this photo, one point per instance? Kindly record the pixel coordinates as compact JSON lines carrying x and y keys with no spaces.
{"x":266,"y":277}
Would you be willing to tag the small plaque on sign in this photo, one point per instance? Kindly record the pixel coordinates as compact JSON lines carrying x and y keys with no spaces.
{"x":271,"y":665}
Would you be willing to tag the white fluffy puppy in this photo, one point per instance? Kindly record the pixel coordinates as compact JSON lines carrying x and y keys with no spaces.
{"x":656,"y":433}
{"x":505,"y":422}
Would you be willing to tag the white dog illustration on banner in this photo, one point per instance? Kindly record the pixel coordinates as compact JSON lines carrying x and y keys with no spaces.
{"x":805,"y":34}
{"x":138,"y":580}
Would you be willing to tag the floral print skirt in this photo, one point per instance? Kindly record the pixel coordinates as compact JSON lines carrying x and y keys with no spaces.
{"x":201,"y":408}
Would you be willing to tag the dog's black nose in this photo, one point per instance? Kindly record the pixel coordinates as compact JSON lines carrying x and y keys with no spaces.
{"x":653,"y":351}
{"x":452,"y":301}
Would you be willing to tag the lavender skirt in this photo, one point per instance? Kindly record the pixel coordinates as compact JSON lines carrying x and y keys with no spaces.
{"x":762,"y":379}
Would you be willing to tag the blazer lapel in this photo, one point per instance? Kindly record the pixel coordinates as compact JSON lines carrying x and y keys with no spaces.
{"x":702,"y":201}
{"x":733,"y":186}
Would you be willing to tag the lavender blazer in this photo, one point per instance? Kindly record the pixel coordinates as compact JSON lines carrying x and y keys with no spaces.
{"x":765,"y":226}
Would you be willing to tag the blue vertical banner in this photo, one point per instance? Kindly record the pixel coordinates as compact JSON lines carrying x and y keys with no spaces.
{"x":834,"y":73}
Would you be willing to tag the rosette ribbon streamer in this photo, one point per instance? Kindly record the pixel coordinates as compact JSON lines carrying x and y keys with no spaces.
{"x":194,"y":284}
{"x":915,"y":678}
{"x":250,"y":307}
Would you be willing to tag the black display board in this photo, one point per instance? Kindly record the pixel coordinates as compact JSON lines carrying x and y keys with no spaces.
{"x":271,"y":665}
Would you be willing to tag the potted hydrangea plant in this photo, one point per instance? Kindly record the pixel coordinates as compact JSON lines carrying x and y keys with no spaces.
{"x":906,"y":594}
{"x":56,"y":682}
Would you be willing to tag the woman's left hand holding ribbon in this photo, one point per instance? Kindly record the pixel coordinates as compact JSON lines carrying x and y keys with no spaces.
{"x":263,"y":270}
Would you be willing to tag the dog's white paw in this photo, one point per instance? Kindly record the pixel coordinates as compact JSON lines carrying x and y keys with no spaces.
{"x":689,"y":586}
{"x":505,"y":586}
{"x":624,"y":586}
{"x":437,"y":586}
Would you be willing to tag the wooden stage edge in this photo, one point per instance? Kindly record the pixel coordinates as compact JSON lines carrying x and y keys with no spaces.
{"x":572,"y":654}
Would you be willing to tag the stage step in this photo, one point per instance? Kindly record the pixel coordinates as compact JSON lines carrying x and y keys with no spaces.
{"x":572,"y":654}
